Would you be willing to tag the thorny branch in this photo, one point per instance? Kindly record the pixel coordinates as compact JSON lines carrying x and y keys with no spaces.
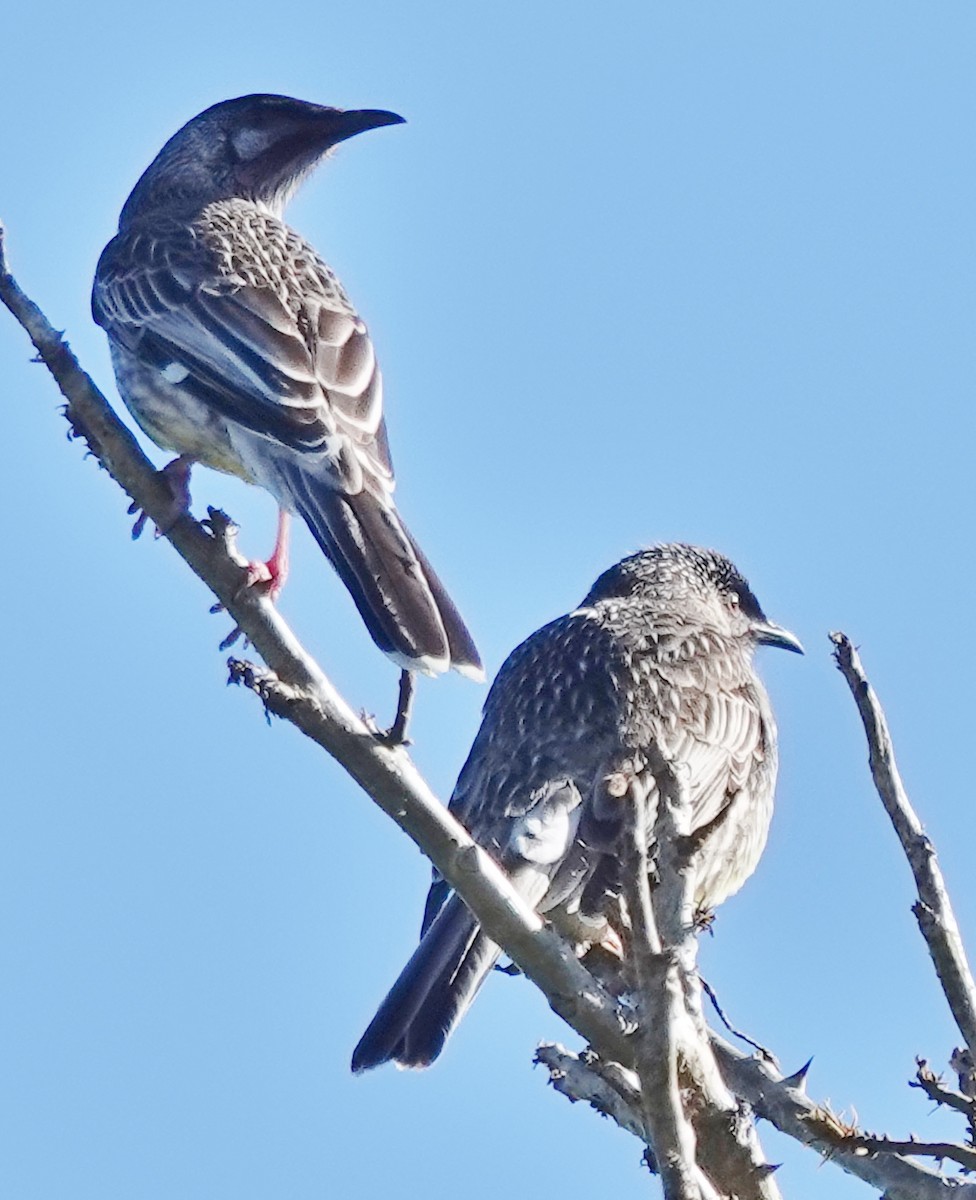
{"x":784,"y":1104}
{"x":294,"y":687}
{"x":934,"y":1087}
{"x":876,"y":1144}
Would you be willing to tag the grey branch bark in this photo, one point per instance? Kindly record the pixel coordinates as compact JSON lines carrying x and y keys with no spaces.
{"x":689,"y":1112}
{"x":612,"y":1090}
{"x":294,"y":687}
{"x":615,"y":1094}
{"x":933,"y":909}
{"x":657,"y":967}
{"x":934,"y":1087}
{"x":792,"y":1112}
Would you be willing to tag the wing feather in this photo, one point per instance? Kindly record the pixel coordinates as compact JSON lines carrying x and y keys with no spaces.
{"x":274,"y":345}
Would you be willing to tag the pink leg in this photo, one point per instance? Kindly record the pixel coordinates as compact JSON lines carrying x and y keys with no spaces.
{"x":278,"y":563}
{"x":274,"y":572}
{"x":176,"y":476}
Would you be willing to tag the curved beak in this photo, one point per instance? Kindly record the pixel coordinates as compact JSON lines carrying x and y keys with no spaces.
{"x":339,"y":124}
{"x":767,"y":633}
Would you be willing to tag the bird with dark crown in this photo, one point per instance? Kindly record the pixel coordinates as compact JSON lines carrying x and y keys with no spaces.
{"x":235,"y":345}
{"x":659,"y":654}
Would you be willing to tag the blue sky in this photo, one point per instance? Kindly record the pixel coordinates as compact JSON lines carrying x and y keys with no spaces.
{"x":659,"y":271}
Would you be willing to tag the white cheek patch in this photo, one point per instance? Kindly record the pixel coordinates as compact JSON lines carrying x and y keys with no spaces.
{"x":250,"y":143}
{"x":175,"y":372}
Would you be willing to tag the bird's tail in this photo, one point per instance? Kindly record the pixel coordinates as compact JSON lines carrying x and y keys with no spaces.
{"x":434,"y":991}
{"x":405,"y":606}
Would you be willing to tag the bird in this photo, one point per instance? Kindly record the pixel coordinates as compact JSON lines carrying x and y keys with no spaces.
{"x":234,"y":345}
{"x":659,"y":656}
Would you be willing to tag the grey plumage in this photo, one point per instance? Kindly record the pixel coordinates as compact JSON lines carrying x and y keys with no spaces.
{"x":235,"y":345}
{"x":659,"y":653}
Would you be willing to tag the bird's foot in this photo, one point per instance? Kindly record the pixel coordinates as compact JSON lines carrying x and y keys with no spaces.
{"x":176,"y":476}
{"x":396,"y":735}
{"x":271,"y":575}
{"x":704,"y":920}
{"x":588,"y":932}
{"x":266,"y":577}
{"x":611,"y":943}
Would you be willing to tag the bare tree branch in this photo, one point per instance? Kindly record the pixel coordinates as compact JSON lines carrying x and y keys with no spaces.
{"x":793,"y":1113}
{"x":728,"y":1144}
{"x":657,"y":968}
{"x":295,"y":688}
{"x":935,"y":1089}
{"x":615,"y":1094}
{"x":727,"y":1138}
{"x":878,"y":1144}
{"x":607,"y":1087}
{"x":933,"y":909}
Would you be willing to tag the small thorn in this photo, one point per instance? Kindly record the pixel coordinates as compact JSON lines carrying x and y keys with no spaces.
{"x":798,"y":1079}
{"x":764,"y":1170}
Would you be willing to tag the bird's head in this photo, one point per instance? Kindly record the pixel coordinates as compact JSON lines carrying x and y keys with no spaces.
{"x":700,"y":585}
{"x":257,"y":148}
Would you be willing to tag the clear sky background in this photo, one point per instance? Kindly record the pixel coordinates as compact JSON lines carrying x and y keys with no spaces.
{"x":635,"y":272}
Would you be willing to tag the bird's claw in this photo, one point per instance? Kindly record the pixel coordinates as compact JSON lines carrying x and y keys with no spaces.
{"x":396,"y":735}
{"x":704,"y":920}
{"x":390,"y":737}
{"x":176,"y":476}
{"x":234,"y":636}
{"x":264,"y":578}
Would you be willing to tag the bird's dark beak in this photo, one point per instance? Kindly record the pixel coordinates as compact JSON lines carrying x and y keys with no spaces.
{"x":298,"y":141}
{"x":338,"y":124}
{"x":768,"y":634}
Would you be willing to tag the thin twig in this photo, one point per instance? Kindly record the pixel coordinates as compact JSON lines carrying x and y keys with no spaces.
{"x":933,"y":909}
{"x":965,"y":1156}
{"x":736,"y":1033}
{"x":934,"y":1087}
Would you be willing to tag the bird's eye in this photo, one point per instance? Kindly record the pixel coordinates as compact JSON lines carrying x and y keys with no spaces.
{"x":734,"y":600}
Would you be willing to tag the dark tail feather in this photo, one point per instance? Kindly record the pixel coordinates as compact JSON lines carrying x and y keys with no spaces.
{"x":433,"y":993}
{"x":402,"y":602}
{"x":464,"y":653}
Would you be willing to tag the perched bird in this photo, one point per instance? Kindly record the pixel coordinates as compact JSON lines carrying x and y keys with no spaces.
{"x":235,"y":345}
{"x":658,"y":654}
